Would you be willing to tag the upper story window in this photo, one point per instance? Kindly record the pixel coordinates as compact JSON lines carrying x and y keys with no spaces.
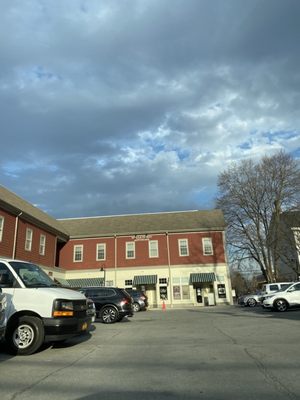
{"x":101,"y":251}
{"x":207,"y":246}
{"x":183,"y":247}
{"x":1,"y":227}
{"x":42,"y":245}
{"x":78,"y":253}
{"x":28,"y":240}
{"x":130,"y":250}
{"x":153,"y":248}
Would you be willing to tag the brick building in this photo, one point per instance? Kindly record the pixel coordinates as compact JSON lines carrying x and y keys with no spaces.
{"x":176,"y":257}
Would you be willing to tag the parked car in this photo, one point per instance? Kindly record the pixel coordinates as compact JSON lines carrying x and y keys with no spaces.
{"x":140,"y":300}
{"x":91,"y":311}
{"x":250,"y":300}
{"x":283,"y":299}
{"x":112,"y":304}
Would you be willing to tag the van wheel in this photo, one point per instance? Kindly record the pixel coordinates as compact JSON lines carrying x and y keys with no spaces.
{"x":25,"y":336}
{"x":281,"y":305}
{"x":109,"y":315}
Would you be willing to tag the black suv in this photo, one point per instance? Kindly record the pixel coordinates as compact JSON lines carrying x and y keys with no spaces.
{"x":112,"y":304}
{"x":140,"y":300}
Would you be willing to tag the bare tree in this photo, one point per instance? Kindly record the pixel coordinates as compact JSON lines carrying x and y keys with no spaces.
{"x":252,"y":195}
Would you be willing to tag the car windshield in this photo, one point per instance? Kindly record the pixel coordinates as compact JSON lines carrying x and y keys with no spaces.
{"x":32,"y":275}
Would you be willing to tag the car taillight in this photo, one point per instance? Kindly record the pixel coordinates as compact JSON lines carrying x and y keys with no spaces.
{"x":124,"y":301}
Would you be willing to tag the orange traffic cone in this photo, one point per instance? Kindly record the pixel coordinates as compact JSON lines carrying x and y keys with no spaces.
{"x":163,"y":307}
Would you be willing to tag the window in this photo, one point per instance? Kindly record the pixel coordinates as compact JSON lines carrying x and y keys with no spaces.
{"x":163,"y":281}
{"x":153,"y":248}
{"x":181,"y":288}
{"x":28,"y":240}
{"x":1,"y":227}
{"x":78,"y":253}
{"x":6,"y":277}
{"x":130,"y":250}
{"x":207,"y":246}
{"x":42,"y":245}
{"x":128,"y":282}
{"x":183,"y":247}
{"x":221,"y":291}
{"x":101,"y":251}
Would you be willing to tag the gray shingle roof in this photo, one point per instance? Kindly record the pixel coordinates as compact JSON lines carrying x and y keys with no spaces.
{"x":15,"y":204}
{"x":185,"y":221}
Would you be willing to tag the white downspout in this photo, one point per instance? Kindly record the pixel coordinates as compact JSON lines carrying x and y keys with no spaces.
{"x":169,"y":267}
{"x":116,"y":258}
{"x":15,"y":235}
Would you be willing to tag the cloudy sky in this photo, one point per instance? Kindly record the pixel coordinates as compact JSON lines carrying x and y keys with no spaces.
{"x":129,"y":106}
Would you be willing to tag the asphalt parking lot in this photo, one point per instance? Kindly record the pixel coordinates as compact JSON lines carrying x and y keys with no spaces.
{"x":222,"y":352}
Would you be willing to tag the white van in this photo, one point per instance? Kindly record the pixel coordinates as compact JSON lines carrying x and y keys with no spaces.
{"x":38,"y":310}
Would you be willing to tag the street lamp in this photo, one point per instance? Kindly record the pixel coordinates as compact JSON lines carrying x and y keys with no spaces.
{"x":104,"y":275}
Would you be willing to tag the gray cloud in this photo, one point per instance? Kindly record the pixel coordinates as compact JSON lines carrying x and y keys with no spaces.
{"x":114,"y":107}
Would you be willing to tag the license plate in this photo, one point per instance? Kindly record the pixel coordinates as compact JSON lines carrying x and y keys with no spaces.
{"x":84,"y":326}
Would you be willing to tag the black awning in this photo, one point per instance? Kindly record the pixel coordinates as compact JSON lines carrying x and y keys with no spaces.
{"x":86,"y":282}
{"x":145,"y":280}
{"x":202,"y":277}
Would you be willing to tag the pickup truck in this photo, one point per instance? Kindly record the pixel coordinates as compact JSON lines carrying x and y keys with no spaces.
{"x":38,"y":310}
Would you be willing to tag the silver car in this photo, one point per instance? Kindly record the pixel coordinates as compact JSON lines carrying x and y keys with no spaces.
{"x":251,"y":300}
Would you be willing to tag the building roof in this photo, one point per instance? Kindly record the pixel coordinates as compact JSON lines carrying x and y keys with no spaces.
{"x":181,"y":221}
{"x":16,"y":205}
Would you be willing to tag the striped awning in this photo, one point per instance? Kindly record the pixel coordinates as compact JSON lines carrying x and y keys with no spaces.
{"x":86,"y":282}
{"x":202,"y":277}
{"x":62,"y":281}
{"x":145,"y":280}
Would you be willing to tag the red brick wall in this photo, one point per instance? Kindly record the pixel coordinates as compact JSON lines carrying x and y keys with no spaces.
{"x":49,"y":258}
{"x":142,"y":251}
{"x":196,"y":255}
{"x":89,"y":254}
{"x":7,"y":243}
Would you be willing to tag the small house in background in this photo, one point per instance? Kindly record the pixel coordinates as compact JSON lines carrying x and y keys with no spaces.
{"x":287,"y":253}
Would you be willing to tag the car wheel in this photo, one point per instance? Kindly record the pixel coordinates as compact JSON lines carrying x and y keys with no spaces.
{"x":109,"y":315}
{"x":281,"y":305}
{"x":136,"y":307}
{"x":25,"y":336}
{"x":251,"y":302}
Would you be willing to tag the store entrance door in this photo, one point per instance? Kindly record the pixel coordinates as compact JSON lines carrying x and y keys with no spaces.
{"x":204,"y":293}
{"x":150,"y":292}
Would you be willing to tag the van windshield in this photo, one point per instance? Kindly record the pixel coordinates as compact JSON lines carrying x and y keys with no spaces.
{"x":32,"y":275}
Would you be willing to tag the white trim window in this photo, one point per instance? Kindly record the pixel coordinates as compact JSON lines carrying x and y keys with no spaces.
{"x":28,"y":240}
{"x":130,"y":250}
{"x":101,"y":252}
{"x":207,"y":247}
{"x":78,"y":253}
{"x":183,"y":247}
{"x":42,"y":245}
{"x":153,"y":248}
{"x":1,"y":227}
